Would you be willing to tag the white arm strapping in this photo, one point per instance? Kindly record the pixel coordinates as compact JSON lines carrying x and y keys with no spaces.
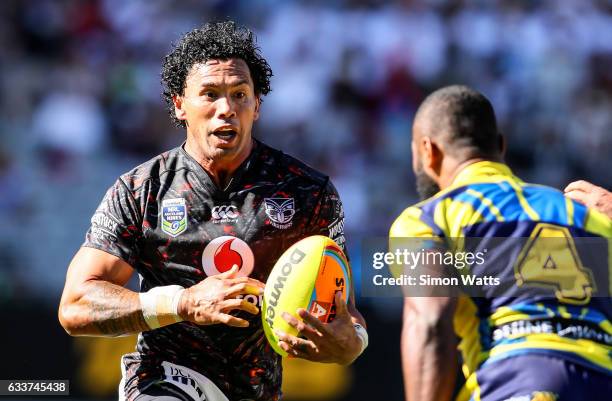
{"x":363,"y":335}
{"x":160,"y":305}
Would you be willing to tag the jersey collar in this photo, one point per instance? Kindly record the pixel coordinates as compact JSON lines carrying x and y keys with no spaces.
{"x":481,"y":171}
{"x":236,"y":177}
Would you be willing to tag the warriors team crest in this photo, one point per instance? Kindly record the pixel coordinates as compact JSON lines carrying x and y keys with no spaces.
{"x":280,"y":211}
{"x":174,"y":216}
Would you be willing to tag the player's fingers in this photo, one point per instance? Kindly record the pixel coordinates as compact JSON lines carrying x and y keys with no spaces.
{"x":236,"y":280}
{"x":287,"y":348}
{"x":228,"y":274}
{"x":252,"y":281}
{"x":580,"y":185}
{"x":234,"y":290}
{"x":312,"y":320}
{"x":289,"y":318}
{"x":256,"y":285}
{"x":298,"y":346}
{"x":303,"y":329}
{"x":231,"y":320}
{"x":282,"y":336}
{"x":341,"y":307}
{"x":578,"y":196}
{"x":242,"y":289}
{"x":240,"y":304}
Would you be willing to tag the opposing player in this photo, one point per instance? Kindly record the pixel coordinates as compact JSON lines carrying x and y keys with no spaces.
{"x":202,"y":225}
{"x":515,"y":342}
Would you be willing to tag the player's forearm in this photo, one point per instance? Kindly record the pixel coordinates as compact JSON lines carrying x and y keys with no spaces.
{"x":429,"y":361}
{"x":104,"y":309}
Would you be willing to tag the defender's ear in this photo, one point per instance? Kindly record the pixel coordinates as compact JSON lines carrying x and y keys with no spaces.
{"x":432,"y":156}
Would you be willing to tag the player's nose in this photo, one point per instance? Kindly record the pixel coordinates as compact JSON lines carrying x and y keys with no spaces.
{"x":225,"y":108}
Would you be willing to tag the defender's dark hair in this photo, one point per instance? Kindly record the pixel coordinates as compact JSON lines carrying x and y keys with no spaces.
{"x":465,"y":118}
{"x":216,"y":40}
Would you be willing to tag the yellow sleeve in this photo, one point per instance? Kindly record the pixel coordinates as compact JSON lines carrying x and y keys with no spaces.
{"x":600,"y":224}
{"x":409,"y":224}
{"x":411,"y":232}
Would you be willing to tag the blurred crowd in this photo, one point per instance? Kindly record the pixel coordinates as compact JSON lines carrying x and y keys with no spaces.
{"x":80,"y":100}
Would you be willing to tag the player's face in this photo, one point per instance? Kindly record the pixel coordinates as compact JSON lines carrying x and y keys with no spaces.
{"x":219,"y":106}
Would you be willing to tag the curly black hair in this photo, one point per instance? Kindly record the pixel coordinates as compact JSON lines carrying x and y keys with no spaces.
{"x":214,"y":40}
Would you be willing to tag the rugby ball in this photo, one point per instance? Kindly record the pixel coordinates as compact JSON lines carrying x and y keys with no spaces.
{"x":307,"y":276}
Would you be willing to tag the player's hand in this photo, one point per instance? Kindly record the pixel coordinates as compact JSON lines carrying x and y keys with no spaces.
{"x":324,"y":342}
{"x":591,"y":196}
{"x":211,"y":300}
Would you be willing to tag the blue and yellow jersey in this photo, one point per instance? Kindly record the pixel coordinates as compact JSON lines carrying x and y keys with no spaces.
{"x":486,"y":200}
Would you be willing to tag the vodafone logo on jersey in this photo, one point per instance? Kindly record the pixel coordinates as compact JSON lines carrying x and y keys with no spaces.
{"x":222,"y":253}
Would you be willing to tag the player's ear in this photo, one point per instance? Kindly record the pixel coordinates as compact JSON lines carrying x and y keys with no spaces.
{"x":437,"y":156}
{"x":430,"y":154}
{"x":179,"y":112}
{"x":257,"y":105}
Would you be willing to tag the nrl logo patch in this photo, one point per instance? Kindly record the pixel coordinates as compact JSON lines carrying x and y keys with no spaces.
{"x":174,"y":216}
{"x":280,"y":211}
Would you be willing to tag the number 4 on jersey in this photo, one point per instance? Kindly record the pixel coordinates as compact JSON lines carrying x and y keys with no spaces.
{"x":550,"y":259}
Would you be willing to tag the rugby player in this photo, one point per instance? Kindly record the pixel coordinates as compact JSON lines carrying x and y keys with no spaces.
{"x":514,"y":344}
{"x":202,"y":225}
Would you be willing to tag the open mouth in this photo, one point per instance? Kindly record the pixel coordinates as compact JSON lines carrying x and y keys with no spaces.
{"x":226,"y":134}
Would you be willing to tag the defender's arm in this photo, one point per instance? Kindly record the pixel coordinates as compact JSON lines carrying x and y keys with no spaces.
{"x":429,"y":353}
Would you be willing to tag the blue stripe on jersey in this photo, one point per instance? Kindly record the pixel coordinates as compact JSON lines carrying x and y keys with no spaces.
{"x":508,"y":202}
{"x":477,"y":204}
{"x":502,"y":195}
{"x":549,"y":203}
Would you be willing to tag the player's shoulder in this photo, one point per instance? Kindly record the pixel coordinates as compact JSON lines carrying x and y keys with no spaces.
{"x":289,"y":168}
{"x":155,"y":169}
{"x":543,"y":190}
{"x":418,"y":220}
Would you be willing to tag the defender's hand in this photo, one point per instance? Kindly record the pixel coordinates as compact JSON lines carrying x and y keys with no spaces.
{"x":335,"y":342}
{"x":211,"y":300}
{"x":591,"y":196}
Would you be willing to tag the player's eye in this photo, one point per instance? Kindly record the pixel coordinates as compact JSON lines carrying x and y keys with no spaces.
{"x":209,"y":95}
{"x":240,"y":95}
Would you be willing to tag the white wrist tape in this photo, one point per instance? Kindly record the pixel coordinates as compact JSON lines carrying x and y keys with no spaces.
{"x":363,"y":335}
{"x":160,"y":305}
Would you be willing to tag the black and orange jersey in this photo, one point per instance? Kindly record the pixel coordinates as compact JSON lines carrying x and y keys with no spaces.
{"x":171,"y":223}
{"x":486,"y":201}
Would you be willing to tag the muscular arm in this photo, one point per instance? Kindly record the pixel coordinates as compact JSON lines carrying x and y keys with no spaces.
{"x":94,"y":302}
{"x":429,"y":354}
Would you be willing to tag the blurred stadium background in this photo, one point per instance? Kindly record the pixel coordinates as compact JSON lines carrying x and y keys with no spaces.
{"x":80,"y":103}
